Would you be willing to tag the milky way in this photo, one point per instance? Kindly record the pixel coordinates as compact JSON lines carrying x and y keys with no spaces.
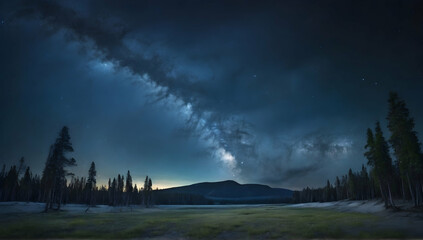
{"x":274,"y":93}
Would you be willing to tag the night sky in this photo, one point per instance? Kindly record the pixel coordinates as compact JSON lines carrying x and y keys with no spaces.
{"x":272,"y":92}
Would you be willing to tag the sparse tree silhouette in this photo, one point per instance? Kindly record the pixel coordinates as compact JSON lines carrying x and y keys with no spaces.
{"x":26,"y":185}
{"x":54,"y":172}
{"x":91,"y":184}
{"x":128,"y":188}
{"x":148,"y":188}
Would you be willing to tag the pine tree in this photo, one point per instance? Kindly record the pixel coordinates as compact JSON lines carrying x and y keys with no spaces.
{"x":114,"y":192}
{"x":150,"y":190}
{"x":26,"y":185}
{"x":364,"y":186}
{"x":406,"y":146}
{"x":370,"y":148}
{"x":21,"y":167}
{"x":54,"y":172}
{"x":135,"y":194}
{"x":351,"y":185}
{"x":338,"y":189}
{"x":91,"y":182}
{"x":2,"y":182}
{"x":327,"y":192}
{"x":382,"y":163}
{"x":128,"y":188}
{"x":120,"y":186}
{"x":145,"y":192}
{"x":110,"y":192}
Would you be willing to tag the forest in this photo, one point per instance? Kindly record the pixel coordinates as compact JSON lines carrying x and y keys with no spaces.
{"x":53,"y":188}
{"x":395,"y":165}
{"x":383,"y":178}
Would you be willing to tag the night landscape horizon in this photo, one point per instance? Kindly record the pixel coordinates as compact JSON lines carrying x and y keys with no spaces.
{"x":264,"y":117}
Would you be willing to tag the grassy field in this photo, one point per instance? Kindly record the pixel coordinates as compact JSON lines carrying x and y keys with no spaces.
{"x":266,"y":222}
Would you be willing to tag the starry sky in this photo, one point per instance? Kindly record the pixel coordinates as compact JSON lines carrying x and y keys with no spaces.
{"x":272,"y":92}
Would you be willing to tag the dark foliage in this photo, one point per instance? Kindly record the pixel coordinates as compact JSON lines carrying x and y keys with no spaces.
{"x":387,"y":180}
{"x":53,"y":188}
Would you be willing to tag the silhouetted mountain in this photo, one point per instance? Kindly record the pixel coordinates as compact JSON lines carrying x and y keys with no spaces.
{"x":227,"y":192}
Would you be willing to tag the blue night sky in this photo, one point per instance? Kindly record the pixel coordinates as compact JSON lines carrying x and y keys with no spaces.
{"x":272,"y":92}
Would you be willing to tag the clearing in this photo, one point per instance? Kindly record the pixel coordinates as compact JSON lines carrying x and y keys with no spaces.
{"x":25,"y":220}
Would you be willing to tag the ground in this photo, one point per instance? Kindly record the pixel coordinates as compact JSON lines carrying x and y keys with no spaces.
{"x":335,"y":220}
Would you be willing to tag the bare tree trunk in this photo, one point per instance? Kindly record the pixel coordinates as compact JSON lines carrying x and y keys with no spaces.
{"x":390,"y":196}
{"x":383,"y":195}
{"x":60,"y":200}
{"x":48,"y":199}
{"x":411,"y":190}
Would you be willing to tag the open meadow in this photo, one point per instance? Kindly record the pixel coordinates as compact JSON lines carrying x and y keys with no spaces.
{"x":206,"y":222}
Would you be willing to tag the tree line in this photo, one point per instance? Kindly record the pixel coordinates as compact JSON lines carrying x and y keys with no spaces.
{"x":53,"y":188}
{"x":387,"y":179}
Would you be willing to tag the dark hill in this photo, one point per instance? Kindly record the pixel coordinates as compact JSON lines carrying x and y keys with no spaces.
{"x":223,"y":192}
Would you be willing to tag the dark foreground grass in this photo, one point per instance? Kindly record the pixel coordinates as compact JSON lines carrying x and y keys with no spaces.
{"x":269,"y":222}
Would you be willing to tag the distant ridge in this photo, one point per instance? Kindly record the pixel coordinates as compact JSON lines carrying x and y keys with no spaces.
{"x":224,"y":192}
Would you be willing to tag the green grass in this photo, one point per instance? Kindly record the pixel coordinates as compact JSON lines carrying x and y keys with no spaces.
{"x":270,"y":222}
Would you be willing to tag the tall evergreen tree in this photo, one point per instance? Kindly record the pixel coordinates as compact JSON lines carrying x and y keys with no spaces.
{"x":383,"y":163}
{"x":128,"y":188}
{"x":148,"y":188}
{"x":26,"y":183}
{"x":91,"y":182}
{"x":114,"y":192}
{"x":145,"y":192}
{"x":54,"y":173}
{"x":351,"y":185}
{"x":406,"y":146}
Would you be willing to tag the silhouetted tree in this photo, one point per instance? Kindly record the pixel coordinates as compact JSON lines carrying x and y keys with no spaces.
{"x":406,"y":146}
{"x":91,"y":182}
{"x":128,"y":188}
{"x":54,"y":172}
{"x":2,"y":182}
{"x":26,"y":185}
{"x":11,"y":184}
{"x":382,"y":164}
{"x":148,"y":188}
{"x":114,"y":191}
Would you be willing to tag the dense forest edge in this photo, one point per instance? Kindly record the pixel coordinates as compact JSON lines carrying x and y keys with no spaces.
{"x":388,"y":180}
{"x":383,"y":178}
